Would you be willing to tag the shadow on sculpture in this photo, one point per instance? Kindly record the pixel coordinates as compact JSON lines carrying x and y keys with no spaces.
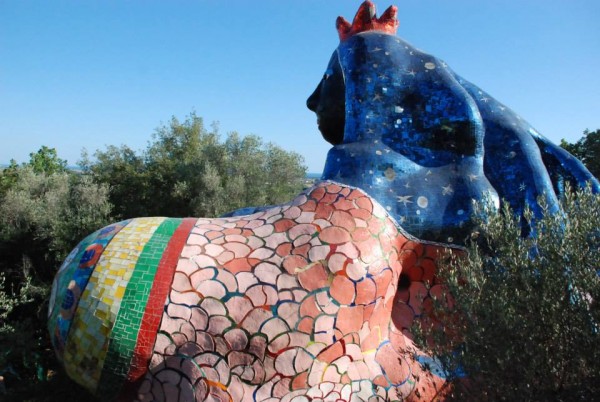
{"x":314,"y":299}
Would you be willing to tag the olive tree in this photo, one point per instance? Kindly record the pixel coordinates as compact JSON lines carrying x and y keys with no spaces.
{"x":188,"y":170}
{"x":524,"y":322}
{"x":587,"y":149}
{"x":43,"y":214}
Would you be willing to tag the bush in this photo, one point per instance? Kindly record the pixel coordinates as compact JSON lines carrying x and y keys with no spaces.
{"x":525,"y":308}
{"x":43,"y":214}
{"x":45,"y":210}
{"x":187,"y":170}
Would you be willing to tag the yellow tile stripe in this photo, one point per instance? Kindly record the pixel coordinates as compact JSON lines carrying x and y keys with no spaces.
{"x":87,"y":344}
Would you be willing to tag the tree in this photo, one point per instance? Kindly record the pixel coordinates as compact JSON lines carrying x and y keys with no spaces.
{"x":46,"y":161}
{"x":46,"y":209}
{"x":526,"y":309}
{"x":187,"y":170}
{"x":587,"y":149}
{"x":124,"y":173}
{"x":43,"y":214}
{"x":8,"y":177}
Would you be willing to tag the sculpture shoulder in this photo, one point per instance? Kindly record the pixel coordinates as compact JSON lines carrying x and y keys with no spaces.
{"x":328,"y":213}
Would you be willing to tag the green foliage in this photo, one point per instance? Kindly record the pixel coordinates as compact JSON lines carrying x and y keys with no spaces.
{"x":22,"y":340}
{"x":124,"y":173}
{"x":526,"y":309}
{"x":45,"y":210}
{"x":187,"y":170}
{"x":46,"y":161}
{"x":43,"y":214}
{"x":587,"y":149}
{"x":58,"y":387}
{"x":8,"y":177}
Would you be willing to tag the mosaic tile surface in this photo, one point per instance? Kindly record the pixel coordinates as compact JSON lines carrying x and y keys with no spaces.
{"x":100,"y":302}
{"x":425,"y":142}
{"x":134,"y":332}
{"x":72,"y":279}
{"x":312,"y":300}
{"x":299,"y":300}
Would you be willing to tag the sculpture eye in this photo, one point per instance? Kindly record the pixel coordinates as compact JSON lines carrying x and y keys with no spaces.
{"x":327,"y":74}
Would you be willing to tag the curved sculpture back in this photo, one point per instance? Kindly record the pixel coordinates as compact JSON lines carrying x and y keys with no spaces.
{"x":314,"y":299}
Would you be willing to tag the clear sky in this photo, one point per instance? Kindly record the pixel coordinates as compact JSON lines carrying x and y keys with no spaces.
{"x":85,"y":74}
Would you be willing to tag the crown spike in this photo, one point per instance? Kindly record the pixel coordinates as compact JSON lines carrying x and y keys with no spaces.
{"x":390,"y":17}
{"x":365,"y":15}
{"x":366,"y":20}
{"x":342,"y":25}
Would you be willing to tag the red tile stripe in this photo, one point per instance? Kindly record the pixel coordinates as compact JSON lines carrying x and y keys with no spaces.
{"x":156,"y":301}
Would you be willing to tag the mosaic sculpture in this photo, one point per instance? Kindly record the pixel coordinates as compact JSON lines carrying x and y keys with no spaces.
{"x":423,"y":141}
{"x":314,"y":299}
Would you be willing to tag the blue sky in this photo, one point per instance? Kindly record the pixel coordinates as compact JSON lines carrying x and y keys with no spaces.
{"x":86,"y":74}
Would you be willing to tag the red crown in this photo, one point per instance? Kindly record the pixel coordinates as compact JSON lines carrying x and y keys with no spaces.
{"x":366,"y":20}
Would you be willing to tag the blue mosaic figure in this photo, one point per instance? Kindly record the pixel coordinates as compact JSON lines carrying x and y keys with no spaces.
{"x":425,"y":142}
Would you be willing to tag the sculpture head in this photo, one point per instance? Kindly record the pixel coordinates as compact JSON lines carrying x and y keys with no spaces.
{"x":328,"y":100}
{"x":423,"y":141}
{"x":329,"y":103}
{"x":372,"y":105}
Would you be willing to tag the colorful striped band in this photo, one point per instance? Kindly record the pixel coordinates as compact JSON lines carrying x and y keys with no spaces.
{"x":123,"y":275}
{"x":71,"y":280}
{"x":62,"y":300}
{"x":161,"y":287}
{"x":132,"y":339}
{"x":87,"y":343}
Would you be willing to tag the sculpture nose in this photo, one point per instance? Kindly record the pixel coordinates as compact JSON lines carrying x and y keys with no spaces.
{"x":313,"y":100}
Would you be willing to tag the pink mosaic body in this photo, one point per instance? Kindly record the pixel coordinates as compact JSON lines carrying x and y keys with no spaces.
{"x":300,"y":302}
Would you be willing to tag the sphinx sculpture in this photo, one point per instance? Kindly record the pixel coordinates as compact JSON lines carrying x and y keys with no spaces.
{"x":313,"y":299}
{"x":423,"y":141}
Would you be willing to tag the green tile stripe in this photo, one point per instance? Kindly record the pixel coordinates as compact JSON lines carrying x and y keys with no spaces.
{"x":123,"y":337}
